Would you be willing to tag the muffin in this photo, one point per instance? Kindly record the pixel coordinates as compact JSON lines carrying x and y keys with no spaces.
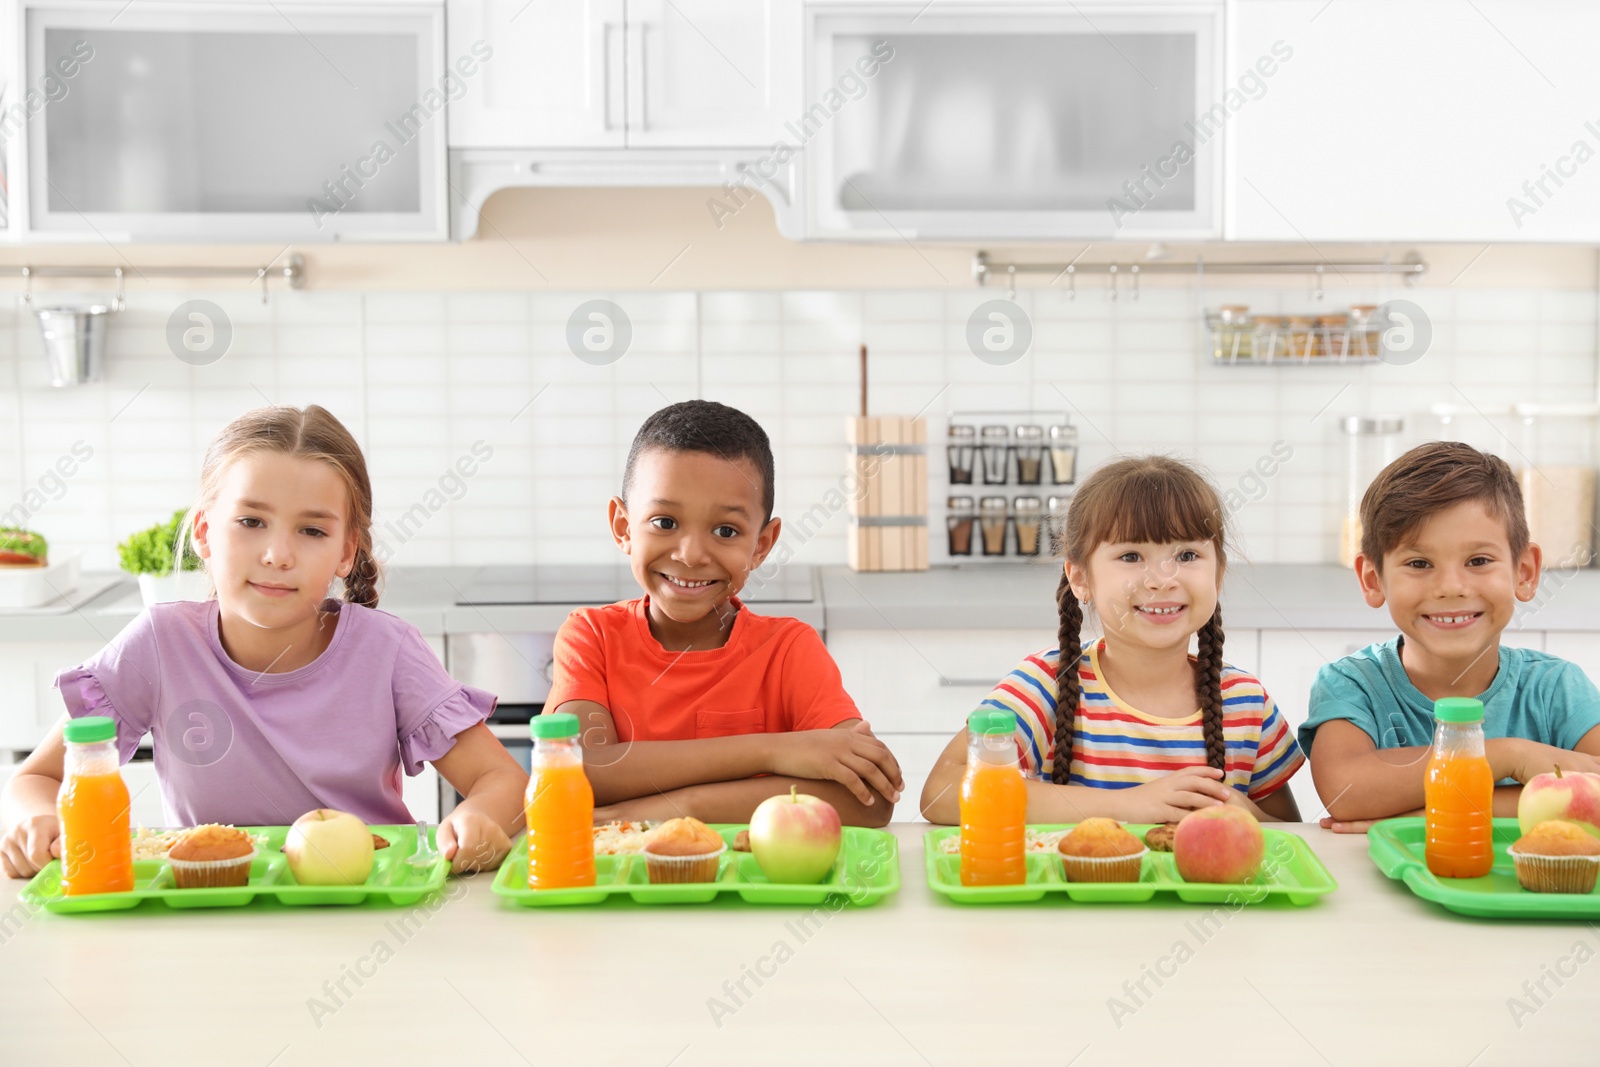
{"x":211,"y":857}
{"x":1159,"y":838}
{"x":1556,"y":857}
{"x":683,"y":850}
{"x":1100,"y":850}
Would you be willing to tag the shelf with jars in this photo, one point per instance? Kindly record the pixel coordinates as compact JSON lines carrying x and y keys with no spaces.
{"x":1354,"y":335}
{"x":1007,"y":475}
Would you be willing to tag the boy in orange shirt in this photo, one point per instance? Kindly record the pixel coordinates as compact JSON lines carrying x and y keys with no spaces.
{"x":685,"y":695}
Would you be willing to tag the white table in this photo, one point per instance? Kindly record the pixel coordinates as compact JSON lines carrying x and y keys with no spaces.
{"x":1371,"y":975}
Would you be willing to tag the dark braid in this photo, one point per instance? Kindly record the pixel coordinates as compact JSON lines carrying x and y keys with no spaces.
{"x":1208,"y":685}
{"x":1069,"y":641}
{"x":361,"y":584}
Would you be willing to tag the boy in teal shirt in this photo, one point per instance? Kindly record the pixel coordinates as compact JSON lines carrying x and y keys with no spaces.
{"x":1445,"y":545}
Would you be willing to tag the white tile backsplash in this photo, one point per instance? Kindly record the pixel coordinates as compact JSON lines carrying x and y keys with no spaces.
{"x":420,"y":377}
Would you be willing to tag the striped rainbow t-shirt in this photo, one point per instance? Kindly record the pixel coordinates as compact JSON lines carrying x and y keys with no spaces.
{"x":1116,"y":746}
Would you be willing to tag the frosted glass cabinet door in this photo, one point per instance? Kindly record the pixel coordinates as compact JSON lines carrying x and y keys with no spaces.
{"x":237,"y":122}
{"x":555,"y":80}
{"x":717,"y":73}
{"x":966,"y":122}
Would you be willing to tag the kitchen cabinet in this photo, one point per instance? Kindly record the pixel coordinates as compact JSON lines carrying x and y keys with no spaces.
{"x":555,"y":77}
{"x":651,"y":74}
{"x":232,"y":122}
{"x":32,"y":705}
{"x":1581,"y":648}
{"x":1432,"y":120}
{"x":916,"y":687}
{"x":977,"y":120}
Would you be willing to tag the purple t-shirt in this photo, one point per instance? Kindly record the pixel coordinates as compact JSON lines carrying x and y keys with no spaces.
{"x":236,"y":746}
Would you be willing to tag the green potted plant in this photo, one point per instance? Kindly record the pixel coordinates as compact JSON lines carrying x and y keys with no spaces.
{"x":149,"y":554}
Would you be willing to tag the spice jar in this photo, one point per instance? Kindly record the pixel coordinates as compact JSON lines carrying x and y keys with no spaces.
{"x":1064,"y":454}
{"x":1234,"y":337}
{"x":960,"y":517}
{"x":1364,"y":333}
{"x":992,"y":524}
{"x":961,"y":453}
{"x":1030,"y":454}
{"x":1302,"y":339}
{"x":996,"y":453}
{"x":1272,"y":337}
{"x":1029,"y":512}
{"x":1333,"y":332}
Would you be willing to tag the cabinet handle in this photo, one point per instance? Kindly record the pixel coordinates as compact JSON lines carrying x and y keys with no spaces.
{"x":605,"y":76}
{"x":966,"y":683}
{"x":644,"y":77}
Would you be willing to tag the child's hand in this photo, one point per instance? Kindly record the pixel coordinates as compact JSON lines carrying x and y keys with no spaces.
{"x":28,"y":846}
{"x":1171,"y":797}
{"x":1531,"y":758}
{"x":472,"y":841}
{"x":850,"y":755}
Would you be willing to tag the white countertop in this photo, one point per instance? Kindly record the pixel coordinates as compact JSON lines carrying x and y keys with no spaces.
{"x":1275,"y":596}
{"x":1370,"y":975}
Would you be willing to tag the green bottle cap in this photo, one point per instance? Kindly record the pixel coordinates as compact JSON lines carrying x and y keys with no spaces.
{"x":90,"y":728}
{"x":1458,"y":709}
{"x":991,"y":722}
{"x":556,"y":724}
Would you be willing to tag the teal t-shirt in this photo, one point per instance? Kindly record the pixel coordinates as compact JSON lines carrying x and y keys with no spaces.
{"x":1534,"y":696}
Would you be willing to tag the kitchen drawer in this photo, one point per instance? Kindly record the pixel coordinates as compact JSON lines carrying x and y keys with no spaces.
{"x":926,"y":681}
{"x":917,"y":754}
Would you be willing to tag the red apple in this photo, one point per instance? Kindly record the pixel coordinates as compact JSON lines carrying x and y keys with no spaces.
{"x":327,"y":847}
{"x":1219,"y":844}
{"x":795,"y":838}
{"x":1574,"y":797}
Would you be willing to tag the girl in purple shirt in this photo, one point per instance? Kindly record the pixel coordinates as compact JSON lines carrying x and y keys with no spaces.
{"x":271,"y":699}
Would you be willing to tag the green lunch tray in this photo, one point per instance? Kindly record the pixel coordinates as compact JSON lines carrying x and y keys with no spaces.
{"x":867,"y":870}
{"x":1290,"y":871}
{"x":393,"y":881}
{"x":1397,"y":847}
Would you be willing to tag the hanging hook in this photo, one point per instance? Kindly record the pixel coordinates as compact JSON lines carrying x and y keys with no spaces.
{"x":1135,"y":270}
{"x":1111,"y":278}
{"x":1072,"y":282}
{"x":262,"y":274}
{"x":1011,"y":282}
{"x":27,"y":286}
{"x":121,"y":299}
{"x":1317,"y":292}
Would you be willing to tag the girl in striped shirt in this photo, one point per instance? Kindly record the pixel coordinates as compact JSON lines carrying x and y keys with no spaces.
{"x":1150,"y":732}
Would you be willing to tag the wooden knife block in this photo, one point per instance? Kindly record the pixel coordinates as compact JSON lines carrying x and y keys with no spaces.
{"x":888,"y":454}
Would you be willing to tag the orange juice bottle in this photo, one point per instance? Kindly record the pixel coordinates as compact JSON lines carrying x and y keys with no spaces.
{"x":994,"y":803}
{"x":1460,"y":793}
{"x":560,"y":806}
{"x":96,"y":848}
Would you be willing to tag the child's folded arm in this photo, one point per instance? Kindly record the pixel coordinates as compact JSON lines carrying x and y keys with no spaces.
{"x":734,"y":802}
{"x":1357,"y":780}
{"x":624,"y":770}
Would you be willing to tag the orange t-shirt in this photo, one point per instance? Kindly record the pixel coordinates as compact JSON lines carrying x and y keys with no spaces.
{"x":773,"y":676}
